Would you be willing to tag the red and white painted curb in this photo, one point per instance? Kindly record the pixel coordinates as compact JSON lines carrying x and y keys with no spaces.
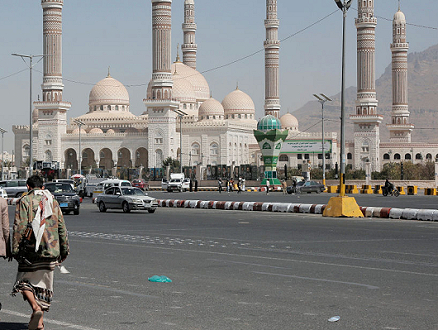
{"x":368,"y":212}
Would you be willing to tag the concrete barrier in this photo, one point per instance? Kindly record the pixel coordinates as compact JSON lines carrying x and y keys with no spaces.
{"x":332,"y":189}
{"x":430,"y":191}
{"x":429,"y":215}
{"x":409,"y":214}
{"x":395,"y":213}
{"x":377,"y":189}
{"x":412,"y":190}
{"x":366,"y":189}
{"x":351,"y":189}
{"x":401,"y":190}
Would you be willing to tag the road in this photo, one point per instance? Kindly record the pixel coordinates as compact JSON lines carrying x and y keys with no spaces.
{"x":238,"y":270}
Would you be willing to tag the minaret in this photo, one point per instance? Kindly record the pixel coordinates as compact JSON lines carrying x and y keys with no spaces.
{"x":162,"y":137}
{"x":52,"y":110}
{"x":189,"y":47}
{"x":399,"y":129}
{"x":366,"y":120}
{"x":272,"y":59}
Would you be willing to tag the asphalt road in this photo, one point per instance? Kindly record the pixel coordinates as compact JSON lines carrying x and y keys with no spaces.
{"x":238,"y":270}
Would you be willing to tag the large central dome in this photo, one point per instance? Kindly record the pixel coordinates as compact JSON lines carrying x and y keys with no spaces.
{"x":109,"y":91}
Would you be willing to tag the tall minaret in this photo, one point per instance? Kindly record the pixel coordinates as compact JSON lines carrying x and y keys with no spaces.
{"x":162,"y":138}
{"x":399,"y":129}
{"x":272,"y":60}
{"x":52,"y":110}
{"x":366,"y":120}
{"x":189,"y":47}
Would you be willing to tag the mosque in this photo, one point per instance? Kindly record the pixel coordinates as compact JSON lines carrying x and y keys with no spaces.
{"x":183,"y":121}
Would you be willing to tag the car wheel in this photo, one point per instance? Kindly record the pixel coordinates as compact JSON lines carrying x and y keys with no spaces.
{"x":125,"y":207}
{"x":151,"y":210}
{"x":102,"y":207}
{"x":318,"y":191}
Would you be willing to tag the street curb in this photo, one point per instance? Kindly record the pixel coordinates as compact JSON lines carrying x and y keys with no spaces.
{"x":368,"y":212}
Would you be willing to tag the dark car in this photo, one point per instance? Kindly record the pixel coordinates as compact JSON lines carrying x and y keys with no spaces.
{"x":65,"y":195}
{"x":306,"y":186}
{"x":140,"y":183}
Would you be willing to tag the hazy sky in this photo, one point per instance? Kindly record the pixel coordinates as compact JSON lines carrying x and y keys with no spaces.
{"x":116,"y":33}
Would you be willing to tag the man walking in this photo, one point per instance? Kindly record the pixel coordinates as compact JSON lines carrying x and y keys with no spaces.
{"x":39,"y":243}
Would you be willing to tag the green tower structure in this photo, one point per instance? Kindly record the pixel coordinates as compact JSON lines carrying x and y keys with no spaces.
{"x":270,"y":138}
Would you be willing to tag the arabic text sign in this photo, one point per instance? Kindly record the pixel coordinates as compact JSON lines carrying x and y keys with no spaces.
{"x":305,"y":146}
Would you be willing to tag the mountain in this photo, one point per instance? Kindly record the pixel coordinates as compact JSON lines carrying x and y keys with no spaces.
{"x":422,"y":98}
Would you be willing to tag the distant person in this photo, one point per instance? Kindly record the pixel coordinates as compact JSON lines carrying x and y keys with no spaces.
{"x":38,"y":221}
{"x":239,"y":186}
{"x":284,"y":186}
{"x":388,"y":186}
{"x":196,"y":185}
{"x":219,"y":185}
{"x":267,"y":186}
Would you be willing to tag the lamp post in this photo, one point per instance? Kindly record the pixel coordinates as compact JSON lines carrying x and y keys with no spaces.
{"x":322,"y":100}
{"x":30,"y":57}
{"x":180,"y":114}
{"x":344,"y":5}
{"x":80,"y":124}
{"x":3,"y":131}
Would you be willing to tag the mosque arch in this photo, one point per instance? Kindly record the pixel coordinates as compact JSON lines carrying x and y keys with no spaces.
{"x":106,"y":159}
{"x":48,"y":156}
{"x":141,"y":157}
{"x":408,"y":156}
{"x":158,"y":158}
{"x":283,"y":158}
{"x":386,"y":157}
{"x":124,"y":158}
{"x":418,"y":156}
{"x":429,"y":156}
{"x":397,"y":156}
{"x":71,"y":159}
{"x":88,"y":159}
{"x":25,"y":152}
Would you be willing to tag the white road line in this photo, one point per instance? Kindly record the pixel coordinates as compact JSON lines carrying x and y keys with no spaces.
{"x":49,"y":321}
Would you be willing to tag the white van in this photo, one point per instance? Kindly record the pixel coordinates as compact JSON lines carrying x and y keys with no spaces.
{"x":105,"y":184}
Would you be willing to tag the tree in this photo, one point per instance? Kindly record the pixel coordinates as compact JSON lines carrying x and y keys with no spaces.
{"x":173,"y":163}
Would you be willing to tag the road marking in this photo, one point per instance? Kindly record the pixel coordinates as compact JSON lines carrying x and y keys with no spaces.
{"x":49,"y":321}
{"x":372,"y":287}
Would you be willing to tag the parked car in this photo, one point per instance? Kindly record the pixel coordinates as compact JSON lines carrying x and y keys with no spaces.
{"x":306,"y":186}
{"x":164,"y":183}
{"x":140,"y":183}
{"x":127,"y":199}
{"x":105,"y":184}
{"x":3,"y":193}
{"x":65,"y":195}
{"x":14,"y":188}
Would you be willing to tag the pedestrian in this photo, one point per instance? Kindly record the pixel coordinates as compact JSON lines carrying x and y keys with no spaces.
{"x":219,"y":183}
{"x":191,"y":185}
{"x":239,"y":186}
{"x":5,"y":244}
{"x":284,"y":186}
{"x":196,"y":185}
{"x":267,"y":186}
{"x":39,"y":243}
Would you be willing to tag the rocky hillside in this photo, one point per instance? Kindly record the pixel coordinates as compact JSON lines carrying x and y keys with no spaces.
{"x":423,"y":101}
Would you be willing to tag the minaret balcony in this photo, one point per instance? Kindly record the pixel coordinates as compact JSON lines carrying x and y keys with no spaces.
{"x":52,"y":105}
{"x":402,"y":127}
{"x":366,"y":118}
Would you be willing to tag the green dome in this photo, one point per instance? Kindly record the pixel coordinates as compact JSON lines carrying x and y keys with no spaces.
{"x":268,"y":123}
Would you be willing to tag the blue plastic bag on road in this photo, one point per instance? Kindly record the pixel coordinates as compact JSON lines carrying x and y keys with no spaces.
{"x":159,"y":278}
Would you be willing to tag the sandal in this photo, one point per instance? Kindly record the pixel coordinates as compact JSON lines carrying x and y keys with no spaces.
{"x":35,"y":320}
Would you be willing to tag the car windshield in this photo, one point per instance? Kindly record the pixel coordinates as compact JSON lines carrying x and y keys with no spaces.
{"x":175,"y":180}
{"x":125,"y":184}
{"x":133,"y":191}
{"x":59,"y":188}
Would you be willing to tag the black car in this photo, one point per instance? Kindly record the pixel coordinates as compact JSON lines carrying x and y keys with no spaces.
{"x":65,"y":195}
{"x":306,"y":186}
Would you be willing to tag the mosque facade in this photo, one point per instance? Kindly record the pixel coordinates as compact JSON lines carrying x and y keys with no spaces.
{"x":183,"y":121}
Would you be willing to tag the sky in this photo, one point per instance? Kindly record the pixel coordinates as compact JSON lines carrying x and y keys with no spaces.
{"x":98,"y":34}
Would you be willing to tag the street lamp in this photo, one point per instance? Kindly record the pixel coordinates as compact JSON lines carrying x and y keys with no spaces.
{"x":80,"y":124}
{"x":3,"y":131}
{"x":180,"y":114}
{"x":30,"y":107}
{"x":344,"y":5}
{"x":322,"y":100}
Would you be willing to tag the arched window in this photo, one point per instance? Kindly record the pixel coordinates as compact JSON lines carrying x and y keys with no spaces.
{"x":386,"y":156}
{"x":397,"y":156}
{"x":284,"y":158}
{"x":48,"y":156}
{"x":349,"y":156}
{"x":195,"y":149}
{"x":429,"y":156}
{"x":214,"y":149}
{"x":158,"y":158}
{"x":408,"y":156}
{"x":418,"y":156}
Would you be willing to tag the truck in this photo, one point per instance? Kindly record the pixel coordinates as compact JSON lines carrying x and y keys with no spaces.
{"x":177,"y":182}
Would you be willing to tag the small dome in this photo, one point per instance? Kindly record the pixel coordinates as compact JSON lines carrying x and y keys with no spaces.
{"x":110,"y":131}
{"x":268,"y":123}
{"x":399,"y":17}
{"x":76,"y":131}
{"x":96,"y":130}
{"x":289,"y":121}
{"x":210,"y":107}
{"x":238,"y":102}
{"x":109,"y":91}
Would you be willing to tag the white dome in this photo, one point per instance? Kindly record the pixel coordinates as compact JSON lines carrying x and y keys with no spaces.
{"x":399,"y":17}
{"x":76,"y":131}
{"x":210,"y":107}
{"x":109,"y":91}
{"x":238,"y":102}
{"x":200,"y":85}
{"x":110,"y":131}
{"x":95,"y":130}
{"x":289,"y":121}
